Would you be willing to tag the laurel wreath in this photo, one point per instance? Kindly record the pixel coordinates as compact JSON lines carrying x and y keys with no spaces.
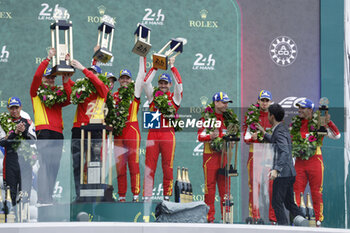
{"x":82,"y":89}
{"x":166,"y":108}
{"x":231,"y":123}
{"x":305,"y":148}
{"x":51,"y":95}
{"x":252,"y":118}
{"x":119,"y":108}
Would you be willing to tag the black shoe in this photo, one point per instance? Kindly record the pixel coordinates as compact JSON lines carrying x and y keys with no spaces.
{"x":259,"y":221}
{"x":249,"y":220}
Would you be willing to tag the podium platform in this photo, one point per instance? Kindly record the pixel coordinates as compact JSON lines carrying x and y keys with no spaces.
{"x":98,"y":212}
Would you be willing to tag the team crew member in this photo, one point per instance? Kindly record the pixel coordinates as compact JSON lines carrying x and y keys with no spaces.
{"x":161,"y":140}
{"x":127,"y":145}
{"x":311,"y":169}
{"x":212,"y":158}
{"x":112,"y":79}
{"x":255,"y":169}
{"x":81,"y":117}
{"x":282,"y":172}
{"x":49,"y":127}
{"x":13,"y":164}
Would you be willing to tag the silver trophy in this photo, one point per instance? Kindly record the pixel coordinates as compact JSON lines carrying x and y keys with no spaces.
{"x":105,"y":39}
{"x":160,"y":60}
{"x":142,"y":40}
{"x":62,"y":26}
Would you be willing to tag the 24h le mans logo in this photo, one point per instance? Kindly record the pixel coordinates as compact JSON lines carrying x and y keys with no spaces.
{"x":283,"y":51}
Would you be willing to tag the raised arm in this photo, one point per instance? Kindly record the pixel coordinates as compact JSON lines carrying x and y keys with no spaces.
{"x":37,"y":79}
{"x":101,"y":88}
{"x":140,"y":77}
{"x":67,"y":85}
{"x":95,"y":62}
{"x":178,"y":89}
{"x":147,"y":84}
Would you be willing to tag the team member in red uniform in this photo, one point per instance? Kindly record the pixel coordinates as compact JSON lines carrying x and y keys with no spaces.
{"x":255,"y":172}
{"x":98,"y":98}
{"x":311,"y":170}
{"x":17,"y":173}
{"x":161,"y":140}
{"x":112,"y":79}
{"x":127,"y":145}
{"x":49,"y":126}
{"x":212,"y":158}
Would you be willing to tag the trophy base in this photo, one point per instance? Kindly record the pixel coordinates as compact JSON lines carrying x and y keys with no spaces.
{"x":160,"y":61}
{"x":62,"y":69}
{"x":96,"y":193}
{"x":227,"y":212}
{"x":141,"y":48}
{"x":322,"y":131}
{"x":103,"y":55}
{"x":230,"y":138}
{"x":228,"y":172}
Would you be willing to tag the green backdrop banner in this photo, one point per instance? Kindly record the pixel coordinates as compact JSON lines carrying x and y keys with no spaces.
{"x":211,"y":59}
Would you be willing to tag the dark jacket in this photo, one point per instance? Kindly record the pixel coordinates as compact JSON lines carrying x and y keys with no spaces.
{"x":282,"y":148}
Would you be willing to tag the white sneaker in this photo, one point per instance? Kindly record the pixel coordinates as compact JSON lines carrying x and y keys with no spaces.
{"x":135,"y":198}
{"x":318,"y":223}
{"x":166,"y":198}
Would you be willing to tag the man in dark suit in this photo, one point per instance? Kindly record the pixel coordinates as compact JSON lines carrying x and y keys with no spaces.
{"x":282,"y":172}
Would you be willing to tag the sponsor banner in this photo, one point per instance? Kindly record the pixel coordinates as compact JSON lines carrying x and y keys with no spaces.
{"x":280,"y":58}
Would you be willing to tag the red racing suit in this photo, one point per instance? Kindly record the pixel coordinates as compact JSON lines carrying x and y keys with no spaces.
{"x":161,"y":140}
{"x":81,"y":117}
{"x":49,"y":126}
{"x":255,"y":172}
{"x":45,"y":117}
{"x":211,"y":165}
{"x":311,"y":171}
{"x":127,"y":145}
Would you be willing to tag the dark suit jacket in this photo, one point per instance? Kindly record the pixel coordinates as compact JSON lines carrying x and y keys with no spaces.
{"x":282,"y":148}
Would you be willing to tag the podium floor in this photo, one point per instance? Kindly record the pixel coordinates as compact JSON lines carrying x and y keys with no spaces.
{"x":98,"y":212}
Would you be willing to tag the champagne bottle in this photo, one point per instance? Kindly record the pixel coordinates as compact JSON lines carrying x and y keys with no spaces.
{"x":189,"y":187}
{"x":178,"y":185}
{"x":310,"y":208}
{"x":183,"y":197}
{"x":1,"y":203}
{"x":302,"y":204}
{"x":8,"y":202}
{"x":291,"y":216}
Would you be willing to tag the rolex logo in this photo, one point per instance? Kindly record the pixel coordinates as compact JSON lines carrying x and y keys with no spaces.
{"x":101,"y":9}
{"x":204,"y":101}
{"x":5,"y":15}
{"x":203,"y":22}
{"x":203,"y":13}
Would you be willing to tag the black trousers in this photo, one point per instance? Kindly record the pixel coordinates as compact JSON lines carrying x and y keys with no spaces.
{"x":283,"y":196}
{"x":49,"y":144}
{"x":12,"y":176}
{"x":96,"y":144}
{"x":18,"y":173}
